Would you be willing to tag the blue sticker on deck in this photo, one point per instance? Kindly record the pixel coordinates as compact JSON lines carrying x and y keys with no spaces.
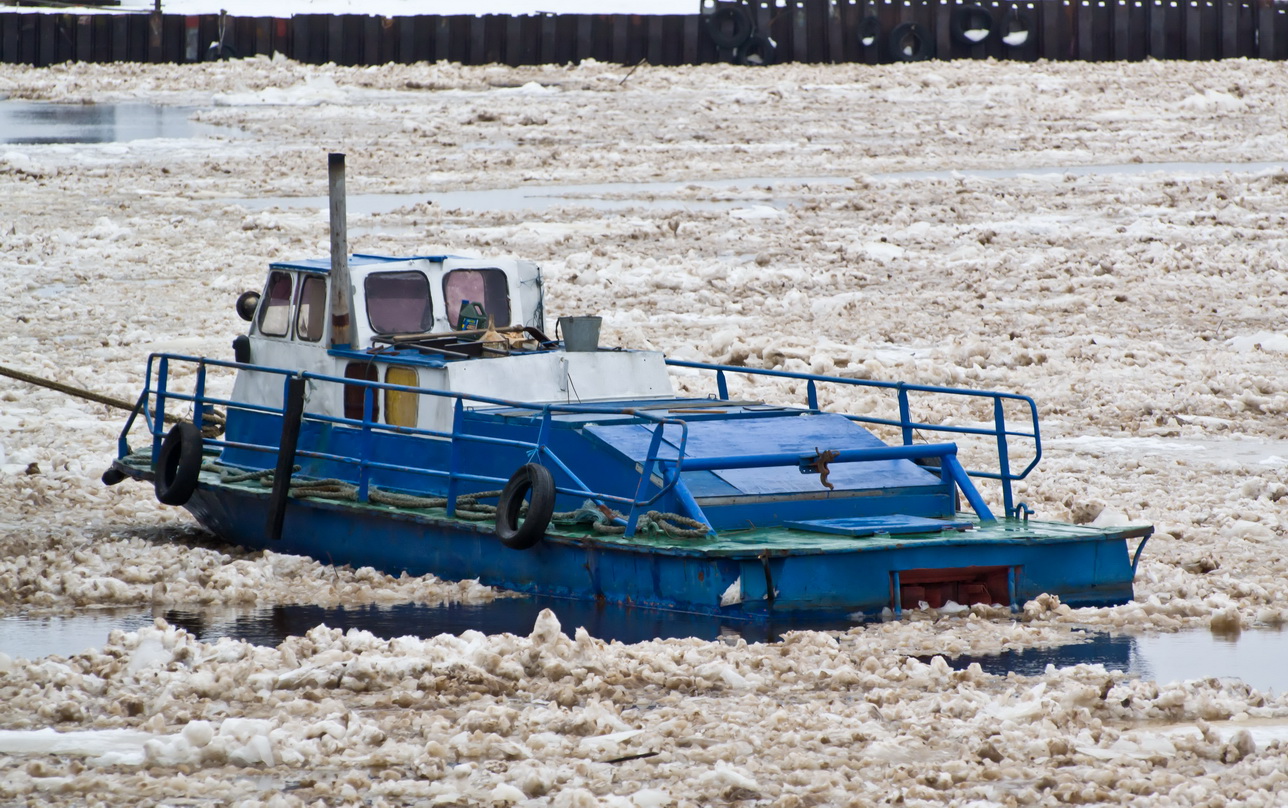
{"x":872,"y":525}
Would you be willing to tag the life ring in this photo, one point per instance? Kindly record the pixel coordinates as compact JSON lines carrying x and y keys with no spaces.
{"x":909,"y":42}
{"x":178,"y":465}
{"x":970,"y":25}
{"x":759,"y":50}
{"x":541,"y":507}
{"x":869,"y":31}
{"x":730,"y":25}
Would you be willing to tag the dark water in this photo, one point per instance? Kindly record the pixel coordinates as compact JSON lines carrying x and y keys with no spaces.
{"x":1256,"y":657}
{"x":30,"y":122}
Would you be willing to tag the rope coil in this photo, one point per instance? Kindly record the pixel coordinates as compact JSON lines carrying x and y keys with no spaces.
{"x":601,"y":520}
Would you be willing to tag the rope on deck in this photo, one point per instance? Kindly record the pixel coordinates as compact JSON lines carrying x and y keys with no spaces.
{"x":600,"y":519}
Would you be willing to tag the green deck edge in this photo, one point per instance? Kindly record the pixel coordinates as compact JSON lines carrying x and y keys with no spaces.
{"x":773,"y":540}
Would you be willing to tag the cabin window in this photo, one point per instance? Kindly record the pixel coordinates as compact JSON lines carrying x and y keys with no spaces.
{"x":398,"y":302}
{"x":400,"y":406}
{"x":486,"y":286}
{"x":275,"y":311}
{"x":309,"y":321}
{"x":354,"y":394}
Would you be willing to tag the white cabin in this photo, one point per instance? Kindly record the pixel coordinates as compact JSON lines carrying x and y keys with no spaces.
{"x":405,"y":318}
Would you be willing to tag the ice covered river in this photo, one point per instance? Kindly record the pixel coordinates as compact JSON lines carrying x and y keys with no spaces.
{"x":1106,"y":238}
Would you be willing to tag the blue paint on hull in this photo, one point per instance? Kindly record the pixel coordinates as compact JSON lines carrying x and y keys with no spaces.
{"x":1092,"y":570}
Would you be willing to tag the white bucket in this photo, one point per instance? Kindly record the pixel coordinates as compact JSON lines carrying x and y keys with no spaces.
{"x":579,"y":333}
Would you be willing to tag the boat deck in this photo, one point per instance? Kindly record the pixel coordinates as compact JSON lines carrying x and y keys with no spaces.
{"x":963,"y":529}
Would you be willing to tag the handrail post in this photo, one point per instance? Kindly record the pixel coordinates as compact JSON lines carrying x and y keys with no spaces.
{"x":957,"y":475}
{"x":811,"y":394}
{"x":722,"y":385}
{"x":366,"y":443}
{"x":455,"y":458}
{"x":158,"y":423}
{"x":688,"y":505}
{"x":543,"y":433}
{"x":905,"y":415}
{"x":1003,"y":457}
{"x":199,"y":396}
{"x":646,"y":474}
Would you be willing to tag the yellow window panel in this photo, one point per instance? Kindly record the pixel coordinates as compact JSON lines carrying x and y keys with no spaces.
{"x":400,"y":406}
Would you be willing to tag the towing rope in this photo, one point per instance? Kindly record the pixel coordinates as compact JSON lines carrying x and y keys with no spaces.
{"x":212,"y":422}
{"x":601,"y":520}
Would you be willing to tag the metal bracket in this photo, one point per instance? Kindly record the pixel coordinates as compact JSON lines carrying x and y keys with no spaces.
{"x":818,"y":464}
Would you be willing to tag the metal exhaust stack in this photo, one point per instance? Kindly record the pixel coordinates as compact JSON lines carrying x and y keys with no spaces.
{"x":341,"y":286}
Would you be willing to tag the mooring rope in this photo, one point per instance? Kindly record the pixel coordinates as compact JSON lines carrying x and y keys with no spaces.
{"x":212,"y":426}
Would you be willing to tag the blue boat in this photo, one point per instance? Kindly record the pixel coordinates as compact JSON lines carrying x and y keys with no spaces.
{"x":413,"y":415}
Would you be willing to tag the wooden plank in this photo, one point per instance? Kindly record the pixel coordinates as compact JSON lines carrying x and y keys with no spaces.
{"x":1083,"y":38}
{"x":1192,"y":21}
{"x":478,"y":41}
{"x":1120,"y":24}
{"x":942,"y":14}
{"x":672,"y":33}
{"x":549,"y":33}
{"x":371,"y":39}
{"x":1231,"y":28}
{"x":654,"y":39}
{"x":834,"y":31}
{"x":83,"y":43}
{"x":443,"y":39}
{"x":1052,"y":15}
{"x":48,"y":40}
{"x":1157,"y":30}
{"x":10,"y":28}
{"x":1265,"y":31}
{"x":565,"y":39}
{"x":817,"y":21}
{"x":800,"y":31}
{"x":692,"y":32}
{"x":584,"y":41}
{"x":335,"y":38}
{"x":262,"y":36}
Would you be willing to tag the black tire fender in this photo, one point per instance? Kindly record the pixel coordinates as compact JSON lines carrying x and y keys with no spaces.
{"x":910,"y":42}
{"x":1015,"y":29}
{"x":869,"y":32}
{"x":730,"y":25}
{"x":541,"y":507}
{"x":219,"y":53}
{"x":758,"y":51}
{"x":970,"y":18}
{"x":178,"y":464}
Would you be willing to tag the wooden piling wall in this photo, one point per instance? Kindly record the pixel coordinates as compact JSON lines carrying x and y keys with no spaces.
{"x":801,"y":30}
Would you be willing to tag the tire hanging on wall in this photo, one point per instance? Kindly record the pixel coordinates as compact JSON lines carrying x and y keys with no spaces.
{"x":730,"y":25}
{"x":757,"y":51}
{"x":909,"y":42}
{"x":178,"y":464}
{"x":541,"y":507}
{"x":1015,"y":29}
{"x":869,"y":32}
{"x":967,"y":22}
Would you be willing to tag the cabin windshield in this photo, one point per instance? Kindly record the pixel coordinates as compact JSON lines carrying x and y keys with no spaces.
{"x":398,"y":302}
{"x":486,"y":286}
{"x":275,"y":311}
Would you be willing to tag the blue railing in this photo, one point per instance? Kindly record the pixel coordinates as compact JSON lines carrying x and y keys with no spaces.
{"x":905,"y":424}
{"x":157,"y":395}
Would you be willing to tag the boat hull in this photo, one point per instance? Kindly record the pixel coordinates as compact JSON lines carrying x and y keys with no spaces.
{"x":782,"y":575}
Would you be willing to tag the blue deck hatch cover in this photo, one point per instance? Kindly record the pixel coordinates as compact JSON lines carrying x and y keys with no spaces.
{"x":871,"y":525}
